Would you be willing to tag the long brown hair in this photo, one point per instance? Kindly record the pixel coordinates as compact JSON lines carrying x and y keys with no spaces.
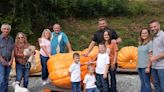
{"x":141,"y":41}
{"x":109,"y":41}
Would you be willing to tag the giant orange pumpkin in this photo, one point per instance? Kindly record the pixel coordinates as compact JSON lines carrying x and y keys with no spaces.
{"x":32,"y":69}
{"x":127,"y":57}
{"x":93,"y":53}
{"x":59,"y":64}
{"x":38,"y":64}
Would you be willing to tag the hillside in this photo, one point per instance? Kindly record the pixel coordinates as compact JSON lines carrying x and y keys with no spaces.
{"x":80,"y":32}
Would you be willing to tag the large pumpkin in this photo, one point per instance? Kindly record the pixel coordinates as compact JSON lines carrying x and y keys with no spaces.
{"x":38,"y":64}
{"x":93,"y":53}
{"x":32,"y":69}
{"x":58,"y":66}
{"x":127,"y":57}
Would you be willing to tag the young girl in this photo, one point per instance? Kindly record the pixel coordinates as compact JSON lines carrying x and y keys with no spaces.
{"x":90,"y":80}
{"x":102,"y":66}
{"x":45,"y":53}
{"x":112,"y":49}
{"x":144,"y":48}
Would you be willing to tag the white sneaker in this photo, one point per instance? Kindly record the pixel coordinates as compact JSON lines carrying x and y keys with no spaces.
{"x":44,"y":83}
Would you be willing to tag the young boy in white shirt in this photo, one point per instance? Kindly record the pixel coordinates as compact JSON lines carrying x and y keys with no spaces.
{"x":90,"y":80}
{"x":75,"y":72}
{"x":102,"y":66}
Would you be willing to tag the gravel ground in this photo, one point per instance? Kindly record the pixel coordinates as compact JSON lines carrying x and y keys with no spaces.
{"x":125,"y":83}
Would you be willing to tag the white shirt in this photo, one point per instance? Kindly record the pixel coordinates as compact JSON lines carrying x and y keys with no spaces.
{"x":47,"y":44}
{"x":90,"y":80}
{"x":75,"y":72}
{"x":102,"y":61}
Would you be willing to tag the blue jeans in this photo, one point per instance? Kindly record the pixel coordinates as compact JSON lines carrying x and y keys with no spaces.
{"x":76,"y":87}
{"x":92,"y":90}
{"x":113,"y":80}
{"x":145,"y":80}
{"x":44,"y":67}
{"x":4,"y":76}
{"x":102,"y":84}
{"x":158,"y":79}
{"x":22,"y":71}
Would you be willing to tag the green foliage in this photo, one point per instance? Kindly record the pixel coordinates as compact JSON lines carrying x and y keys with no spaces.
{"x":137,"y":8}
{"x":115,"y":7}
{"x":128,"y":38}
{"x":28,"y":16}
{"x":32,"y":16}
{"x":89,"y":8}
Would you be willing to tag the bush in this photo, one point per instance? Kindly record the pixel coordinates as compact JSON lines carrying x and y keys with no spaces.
{"x":137,"y":8}
{"x":89,"y":8}
{"x":96,"y":8}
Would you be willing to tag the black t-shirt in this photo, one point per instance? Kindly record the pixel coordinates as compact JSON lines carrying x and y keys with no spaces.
{"x":99,"y":35}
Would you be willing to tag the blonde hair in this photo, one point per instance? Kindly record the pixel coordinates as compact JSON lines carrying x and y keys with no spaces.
{"x":17,"y":38}
{"x":5,"y":24}
{"x":44,"y":31}
{"x":90,"y":68}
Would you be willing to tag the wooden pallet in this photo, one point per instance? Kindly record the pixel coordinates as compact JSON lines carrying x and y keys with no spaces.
{"x":121,"y":70}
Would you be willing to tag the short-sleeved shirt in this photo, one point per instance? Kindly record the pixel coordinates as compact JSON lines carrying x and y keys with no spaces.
{"x":75,"y":72}
{"x":158,"y":47}
{"x":102,"y":61}
{"x":99,"y":35}
{"x":112,"y":50}
{"x":6,"y":47}
{"x":47,"y":44}
{"x":54,"y":42}
{"x":143,"y":54}
{"x":90,"y":80}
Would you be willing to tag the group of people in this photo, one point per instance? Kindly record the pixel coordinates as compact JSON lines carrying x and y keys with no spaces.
{"x":150,"y":57}
{"x":150,"y":60}
{"x":106,"y":62}
{"x":50,"y":43}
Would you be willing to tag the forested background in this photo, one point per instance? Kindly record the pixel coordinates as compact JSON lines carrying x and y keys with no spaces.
{"x":79,"y":17}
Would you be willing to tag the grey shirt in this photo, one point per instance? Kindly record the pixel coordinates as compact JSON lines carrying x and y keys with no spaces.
{"x":143,"y":57}
{"x":6,"y":47}
{"x":158,"y":47}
